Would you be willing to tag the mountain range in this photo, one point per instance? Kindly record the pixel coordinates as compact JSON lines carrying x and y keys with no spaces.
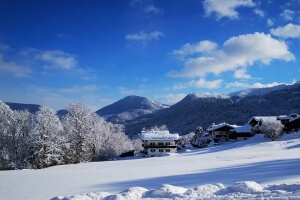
{"x":194,"y":110}
{"x":204,"y":109}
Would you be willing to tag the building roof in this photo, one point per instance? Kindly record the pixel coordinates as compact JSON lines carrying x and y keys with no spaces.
{"x":217,"y":126}
{"x":263,"y":119}
{"x":284,"y":117}
{"x":295,"y":118}
{"x":243,"y":129}
{"x":158,"y":135}
{"x":290,"y":117}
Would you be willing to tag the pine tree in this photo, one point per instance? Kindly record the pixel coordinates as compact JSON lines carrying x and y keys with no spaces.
{"x":199,"y":138}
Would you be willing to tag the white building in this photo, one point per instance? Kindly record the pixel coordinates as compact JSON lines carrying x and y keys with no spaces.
{"x":158,"y":143}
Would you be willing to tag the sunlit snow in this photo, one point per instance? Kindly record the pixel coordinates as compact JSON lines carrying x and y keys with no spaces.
{"x":253,"y":169}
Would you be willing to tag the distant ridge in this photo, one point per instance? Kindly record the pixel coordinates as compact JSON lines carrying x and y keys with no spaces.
{"x":129,"y":108}
{"x":131,"y":103}
{"x":204,"y":109}
{"x":32,"y":108}
{"x":263,"y":91}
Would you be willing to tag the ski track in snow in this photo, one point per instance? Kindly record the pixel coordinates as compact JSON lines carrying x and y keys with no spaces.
{"x":254,"y":169}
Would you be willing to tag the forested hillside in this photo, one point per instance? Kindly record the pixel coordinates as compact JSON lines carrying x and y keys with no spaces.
{"x":198,"y":110}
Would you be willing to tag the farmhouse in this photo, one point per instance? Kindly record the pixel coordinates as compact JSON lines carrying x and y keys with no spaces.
{"x":220,"y":132}
{"x":223,"y":132}
{"x":294,"y":124}
{"x":158,"y":143}
{"x":291,"y":123}
{"x":242,"y":132}
{"x":256,"y":121}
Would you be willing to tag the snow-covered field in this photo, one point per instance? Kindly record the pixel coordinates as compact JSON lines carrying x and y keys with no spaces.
{"x":253,"y":169}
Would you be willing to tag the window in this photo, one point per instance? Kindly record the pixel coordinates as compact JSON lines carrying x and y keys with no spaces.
{"x":160,"y":143}
{"x":168,"y":143}
{"x":152,"y":150}
{"x":167,"y":150}
{"x":152,"y":143}
{"x":161,"y":150}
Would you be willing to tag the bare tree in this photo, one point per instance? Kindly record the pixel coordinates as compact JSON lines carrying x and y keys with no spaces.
{"x":5,"y":122}
{"x":20,"y":133}
{"x":272,"y":129}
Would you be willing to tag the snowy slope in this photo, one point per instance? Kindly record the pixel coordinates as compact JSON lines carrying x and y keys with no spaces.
{"x":259,"y":160}
{"x":263,"y":91}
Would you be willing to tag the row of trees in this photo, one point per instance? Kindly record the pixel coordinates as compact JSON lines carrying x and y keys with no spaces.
{"x":40,"y":140}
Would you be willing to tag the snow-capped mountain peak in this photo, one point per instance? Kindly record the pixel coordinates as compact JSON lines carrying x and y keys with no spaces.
{"x":263,"y":91}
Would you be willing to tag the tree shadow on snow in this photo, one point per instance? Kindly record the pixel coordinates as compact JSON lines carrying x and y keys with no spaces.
{"x":259,"y":172}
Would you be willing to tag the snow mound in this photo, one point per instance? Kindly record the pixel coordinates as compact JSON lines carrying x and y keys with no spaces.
{"x":246,"y":187}
{"x":85,"y":196}
{"x":166,"y":191}
{"x":239,"y":190}
{"x":204,"y":190}
{"x":128,"y":194}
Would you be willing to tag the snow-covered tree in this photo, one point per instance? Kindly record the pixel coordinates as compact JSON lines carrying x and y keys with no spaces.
{"x":186,"y":139}
{"x":77,"y":124}
{"x":47,"y":139}
{"x":163,"y":127}
{"x":20,"y":137}
{"x":271,"y":129}
{"x":114,"y":142}
{"x":137,"y":144}
{"x":5,"y":124}
{"x":199,"y":139}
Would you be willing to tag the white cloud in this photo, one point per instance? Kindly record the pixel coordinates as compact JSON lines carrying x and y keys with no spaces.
{"x":288,"y":31}
{"x":270,"y":22}
{"x":204,"y":46}
{"x":13,"y":68}
{"x":151,"y":9}
{"x":179,"y":86}
{"x":4,"y":47}
{"x":145,"y":79}
{"x":241,"y":73}
{"x":259,"y":12}
{"x":170,"y":99}
{"x":287,"y":15}
{"x":237,"y":52}
{"x":126,"y":91}
{"x":57,"y":59}
{"x":261,"y":85}
{"x":202,"y":83}
{"x":225,"y":8}
{"x":237,"y":84}
{"x":142,"y":36}
{"x":79,"y":89}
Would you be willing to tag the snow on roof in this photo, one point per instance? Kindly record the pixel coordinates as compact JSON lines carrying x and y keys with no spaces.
{"x":290,"y":117}
{"x":158,"y":135}
{"x":295,"y":118}
{"x":217,"y":126}
{"x":243,"y":129}
{"x":264,"y":118}
{"x":282,"y":117}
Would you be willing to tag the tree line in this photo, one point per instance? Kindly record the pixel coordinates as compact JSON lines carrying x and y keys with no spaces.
{"x":41,"y":139}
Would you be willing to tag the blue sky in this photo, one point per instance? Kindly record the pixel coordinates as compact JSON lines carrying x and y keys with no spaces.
{"x":56,"y":52}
